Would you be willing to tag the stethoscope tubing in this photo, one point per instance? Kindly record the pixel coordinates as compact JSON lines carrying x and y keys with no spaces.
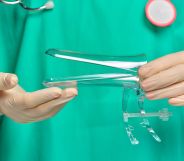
{"x":10,"y":3}
{"x":19,"y":2}
{"x":31,"y":9}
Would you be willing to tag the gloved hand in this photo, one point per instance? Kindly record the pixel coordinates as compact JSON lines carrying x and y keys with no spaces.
{"x":164,"y":78}
{"x":25,"y":107}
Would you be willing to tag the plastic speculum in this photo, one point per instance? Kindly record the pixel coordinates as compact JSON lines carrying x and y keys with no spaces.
{"x":104,"y":70}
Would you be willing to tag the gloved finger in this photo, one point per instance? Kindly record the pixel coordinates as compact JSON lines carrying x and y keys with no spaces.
{"x":30,"y":119}
{"x":15,"y":114}
{"x":161,"y":64}
{"x":25,"y":100}
{"x":48,"y":115}
{"x":27,"y":116}
{"x":43,"y":96}
{"x":45,"y":109}
{"x":7,"y":81}
{"x":37,"y":98}
{"x":164,"y":79}
{"x":15,"y":106}
{"x":39,"y":116}
{"x":42,"y":113}
{"x":177,"y":101}
{"x":168,"y":92}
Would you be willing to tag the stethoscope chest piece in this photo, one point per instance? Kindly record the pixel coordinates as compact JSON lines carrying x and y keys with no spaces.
{"x":160,"y":13}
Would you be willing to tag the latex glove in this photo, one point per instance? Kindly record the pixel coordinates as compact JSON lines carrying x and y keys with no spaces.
{"x":25,"y":107}
{"x":164,"y":78}
{"x":7,"y":81}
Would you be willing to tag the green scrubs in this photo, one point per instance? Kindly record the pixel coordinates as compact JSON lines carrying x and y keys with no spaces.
{"x":90,"y":128}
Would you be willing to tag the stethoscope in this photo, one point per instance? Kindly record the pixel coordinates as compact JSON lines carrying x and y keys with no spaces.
{"x":48,"y":5}
{"x":161,"y":13}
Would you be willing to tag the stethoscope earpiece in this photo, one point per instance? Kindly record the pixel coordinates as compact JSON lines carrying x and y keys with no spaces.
{"x":160,"y":13}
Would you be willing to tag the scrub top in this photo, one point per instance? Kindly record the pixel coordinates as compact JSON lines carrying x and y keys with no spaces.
{"x":90,"y":127}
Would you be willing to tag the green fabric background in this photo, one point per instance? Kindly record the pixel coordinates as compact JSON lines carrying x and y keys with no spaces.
{"x":90,"y":128}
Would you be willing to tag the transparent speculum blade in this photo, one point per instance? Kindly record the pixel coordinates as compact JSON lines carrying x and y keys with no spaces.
{"x":115,"y":79}
{"x":101,"y":69}
{"x":129,"y":63}
{"x":129,"y":128}
{"x":145,"y":123}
